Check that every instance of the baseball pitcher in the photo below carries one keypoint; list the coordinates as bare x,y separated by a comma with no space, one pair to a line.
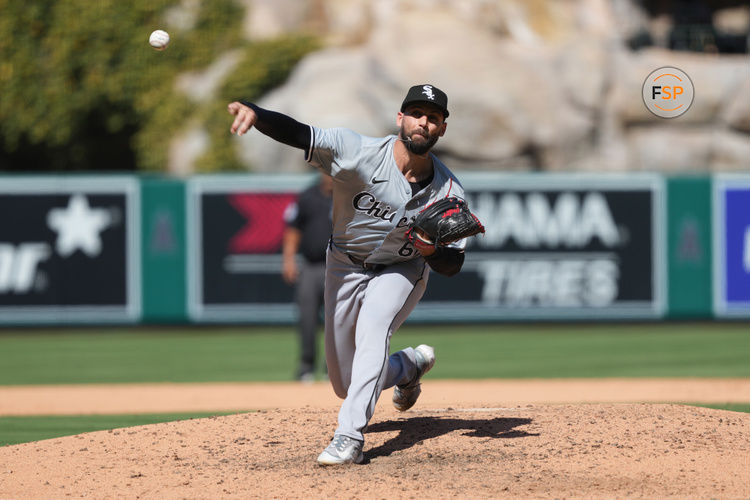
397,213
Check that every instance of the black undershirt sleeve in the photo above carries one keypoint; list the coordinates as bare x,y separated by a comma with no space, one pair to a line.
446,261
282,128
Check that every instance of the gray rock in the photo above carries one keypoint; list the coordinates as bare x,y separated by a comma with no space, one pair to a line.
200,86
547,85
185,148
731,152
669,148
713,78
503,96
266,19
347,101
737,108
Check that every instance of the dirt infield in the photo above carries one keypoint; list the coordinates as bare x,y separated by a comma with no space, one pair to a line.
451,445
165,398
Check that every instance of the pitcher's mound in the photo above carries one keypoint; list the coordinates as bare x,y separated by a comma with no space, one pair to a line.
625,450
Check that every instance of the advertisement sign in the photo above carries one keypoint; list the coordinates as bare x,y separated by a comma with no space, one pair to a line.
557,246
732,240
235,229
69,249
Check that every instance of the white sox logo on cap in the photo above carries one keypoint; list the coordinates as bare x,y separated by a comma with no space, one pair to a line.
427,90
426,93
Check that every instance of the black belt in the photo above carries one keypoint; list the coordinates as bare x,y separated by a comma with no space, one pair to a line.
376,268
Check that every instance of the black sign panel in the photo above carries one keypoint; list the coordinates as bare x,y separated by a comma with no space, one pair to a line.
241,261
235,229
552,252
65,255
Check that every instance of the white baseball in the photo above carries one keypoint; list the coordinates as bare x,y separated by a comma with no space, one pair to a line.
159,39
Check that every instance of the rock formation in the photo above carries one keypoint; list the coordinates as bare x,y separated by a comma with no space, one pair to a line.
536,85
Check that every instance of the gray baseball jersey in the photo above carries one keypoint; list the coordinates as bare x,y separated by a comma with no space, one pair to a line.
372,200
372,207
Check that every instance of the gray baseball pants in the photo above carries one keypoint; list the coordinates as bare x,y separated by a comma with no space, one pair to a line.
309,302
362,310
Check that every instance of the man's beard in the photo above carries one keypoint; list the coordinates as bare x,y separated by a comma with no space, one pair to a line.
421,148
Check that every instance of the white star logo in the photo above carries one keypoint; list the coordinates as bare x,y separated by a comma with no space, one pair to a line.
78,227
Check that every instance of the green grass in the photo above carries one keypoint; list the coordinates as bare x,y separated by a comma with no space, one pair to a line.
14,430
638,350
741,407
70,356
146,355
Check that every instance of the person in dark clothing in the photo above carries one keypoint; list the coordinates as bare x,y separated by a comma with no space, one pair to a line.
308,228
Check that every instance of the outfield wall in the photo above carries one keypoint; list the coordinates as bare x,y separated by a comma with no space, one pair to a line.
147,249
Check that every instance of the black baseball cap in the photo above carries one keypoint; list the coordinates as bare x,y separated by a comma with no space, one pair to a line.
427,93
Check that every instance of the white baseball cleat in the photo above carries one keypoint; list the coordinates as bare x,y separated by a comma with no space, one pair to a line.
404,396
342,450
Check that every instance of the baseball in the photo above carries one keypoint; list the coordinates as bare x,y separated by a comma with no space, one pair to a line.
159,39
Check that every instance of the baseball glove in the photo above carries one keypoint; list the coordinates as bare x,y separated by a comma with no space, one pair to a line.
443,222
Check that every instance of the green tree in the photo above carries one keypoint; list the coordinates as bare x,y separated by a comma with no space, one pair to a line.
80,88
